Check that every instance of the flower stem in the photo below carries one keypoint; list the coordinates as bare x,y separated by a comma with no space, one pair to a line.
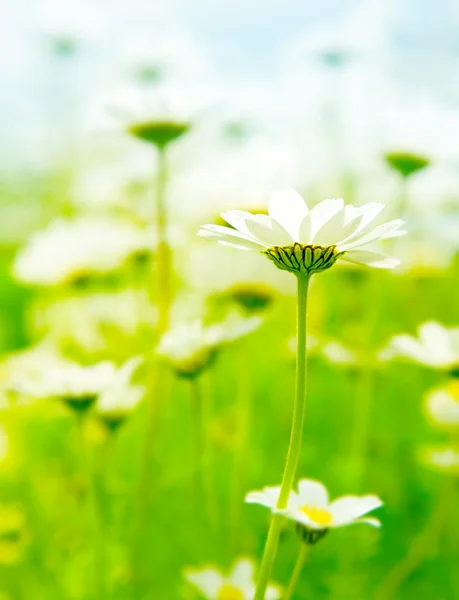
302,555
163,258
294,449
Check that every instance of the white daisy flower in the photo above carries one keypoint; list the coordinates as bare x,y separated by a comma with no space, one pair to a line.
156,115
117,402
442,405
308,241
444,459
68,251
436,346
191,347
79,386
238,585
310,507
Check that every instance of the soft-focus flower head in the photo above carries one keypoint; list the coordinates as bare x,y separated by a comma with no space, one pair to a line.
239,584
405,163
69,251
442,405
311,508
444,459
191,347
251,298
156,115
436,346
303,241
118,401
78,386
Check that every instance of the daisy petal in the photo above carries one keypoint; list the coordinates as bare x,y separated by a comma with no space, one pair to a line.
242,573
323,212
208,581
369,213
371,521
231,236
371,259
274,592
288,208
382,232
312,492
350,508
237,219
266,497
268,231
337,228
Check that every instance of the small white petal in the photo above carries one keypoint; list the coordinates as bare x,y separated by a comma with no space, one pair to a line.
337,228
268,231
237,219
242,574
350,508
267,497
208,581
370,521
230,236
274,592
288,208
382,232
312,492
323,212
305,231
371,259
369,213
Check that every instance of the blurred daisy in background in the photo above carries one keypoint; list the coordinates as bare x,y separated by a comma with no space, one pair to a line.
239,584
71,251
436,346
442,406
445,459
191,347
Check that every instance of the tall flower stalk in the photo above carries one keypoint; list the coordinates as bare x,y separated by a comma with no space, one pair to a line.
303,242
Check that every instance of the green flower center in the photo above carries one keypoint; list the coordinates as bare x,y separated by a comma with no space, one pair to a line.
159,133
301,258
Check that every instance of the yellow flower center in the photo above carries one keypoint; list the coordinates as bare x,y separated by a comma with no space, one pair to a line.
319,516
229,592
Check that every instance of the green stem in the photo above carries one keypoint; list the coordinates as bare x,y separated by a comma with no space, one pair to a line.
302,555
243,416
294,448
163,258
420,548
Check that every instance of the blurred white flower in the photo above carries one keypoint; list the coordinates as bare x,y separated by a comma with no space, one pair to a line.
239,584
79,386
299,240
442,405
436,346
311,508
70,250
444,459
190,347
121,397
92,321
338,353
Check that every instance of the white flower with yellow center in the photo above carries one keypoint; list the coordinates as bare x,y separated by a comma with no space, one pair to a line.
436,346
442,405
72,250
238,585
190,347
300,240
310,507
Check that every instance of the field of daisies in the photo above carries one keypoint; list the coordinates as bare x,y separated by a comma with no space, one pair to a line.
220,380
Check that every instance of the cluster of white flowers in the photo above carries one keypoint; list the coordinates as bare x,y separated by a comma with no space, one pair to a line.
70,250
